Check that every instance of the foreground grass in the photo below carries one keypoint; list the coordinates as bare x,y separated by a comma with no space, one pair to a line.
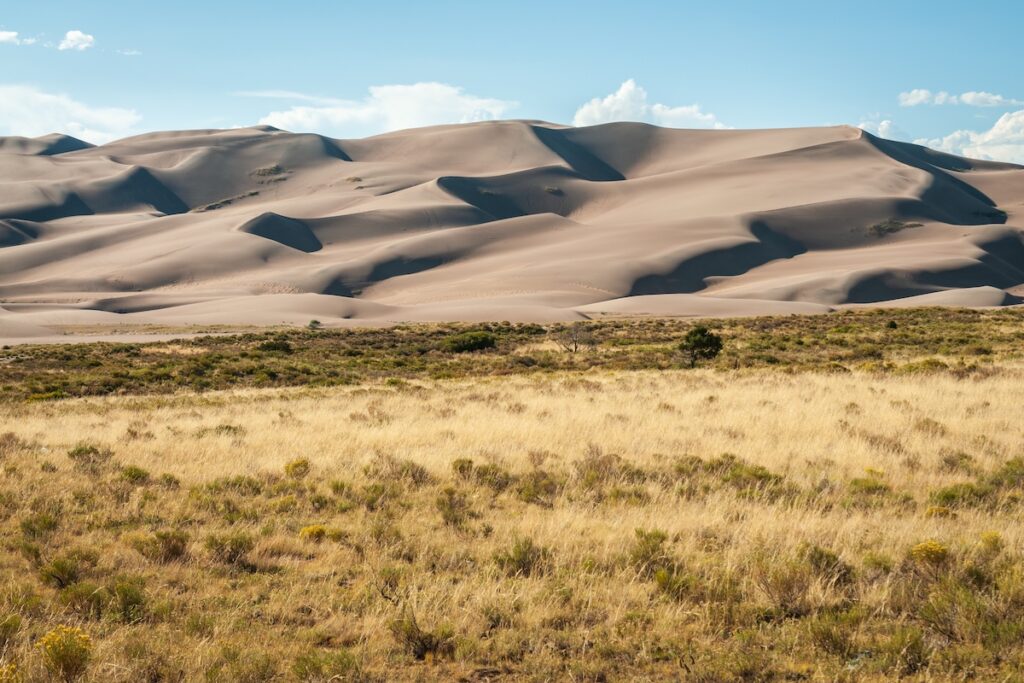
700,525
877,340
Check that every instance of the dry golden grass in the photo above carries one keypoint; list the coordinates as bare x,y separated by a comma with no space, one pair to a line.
411,584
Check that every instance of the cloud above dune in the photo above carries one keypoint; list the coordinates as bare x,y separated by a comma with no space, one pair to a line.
630,103
28,111
884,128
1004,141
971,98
385,108
76,40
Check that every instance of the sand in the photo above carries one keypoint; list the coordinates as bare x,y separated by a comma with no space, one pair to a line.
506,220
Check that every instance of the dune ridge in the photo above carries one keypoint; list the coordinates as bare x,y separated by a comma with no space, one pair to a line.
505,220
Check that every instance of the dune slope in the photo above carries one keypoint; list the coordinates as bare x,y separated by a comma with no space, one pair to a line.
508,220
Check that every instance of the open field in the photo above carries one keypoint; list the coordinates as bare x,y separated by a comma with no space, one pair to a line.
833,498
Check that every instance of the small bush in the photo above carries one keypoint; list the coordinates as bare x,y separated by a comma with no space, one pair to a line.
700,343
421,644
967,494
930,553
135,475
39,524
524,558
297,469
648,553
89,458
314,533
61,572
66,651
10,625
162,546
276,345
229,548
86,599
326,667
128,600
470,341
538,487
454,507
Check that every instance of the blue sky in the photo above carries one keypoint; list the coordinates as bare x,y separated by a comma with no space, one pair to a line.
349,69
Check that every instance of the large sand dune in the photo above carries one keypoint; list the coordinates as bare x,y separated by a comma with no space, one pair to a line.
511,220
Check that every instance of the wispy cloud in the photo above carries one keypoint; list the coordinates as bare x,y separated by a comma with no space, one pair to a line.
971,98
31,112
385,108
76,40
10,38
629,103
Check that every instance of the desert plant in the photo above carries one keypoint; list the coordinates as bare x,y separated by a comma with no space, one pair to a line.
454,507
229,548
297,469
470,341
524,558
575,337
700,343
66,651
89,458
165,545
135,475
316,666
423,645
314,533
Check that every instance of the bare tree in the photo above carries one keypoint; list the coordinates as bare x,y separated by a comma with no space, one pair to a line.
575,337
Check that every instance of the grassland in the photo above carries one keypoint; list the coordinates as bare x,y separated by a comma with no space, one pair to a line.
833,498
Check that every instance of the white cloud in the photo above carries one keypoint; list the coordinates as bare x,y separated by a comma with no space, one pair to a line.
10,37
1004,141
387,107
28,111
76,40
885,128
629,103
129,53
915,97
970,98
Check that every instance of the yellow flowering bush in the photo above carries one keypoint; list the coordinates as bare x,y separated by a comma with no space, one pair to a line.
66,651
930,552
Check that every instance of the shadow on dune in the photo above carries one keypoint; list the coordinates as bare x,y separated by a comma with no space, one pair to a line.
690,275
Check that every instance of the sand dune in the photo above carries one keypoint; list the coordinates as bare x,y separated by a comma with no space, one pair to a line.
509,220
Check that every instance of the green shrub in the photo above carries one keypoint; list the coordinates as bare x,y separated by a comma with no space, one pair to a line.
538,487
128,599
167,545
297,469
420,643
229,548
454,507
135,475
61,572
86,599
524,558
470,341
39,524
966,494
89,458
10,625
326,667
648,553
700,343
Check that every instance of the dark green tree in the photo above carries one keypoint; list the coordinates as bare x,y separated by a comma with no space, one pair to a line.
700,343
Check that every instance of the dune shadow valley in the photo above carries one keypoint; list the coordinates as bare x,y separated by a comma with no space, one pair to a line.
510,401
